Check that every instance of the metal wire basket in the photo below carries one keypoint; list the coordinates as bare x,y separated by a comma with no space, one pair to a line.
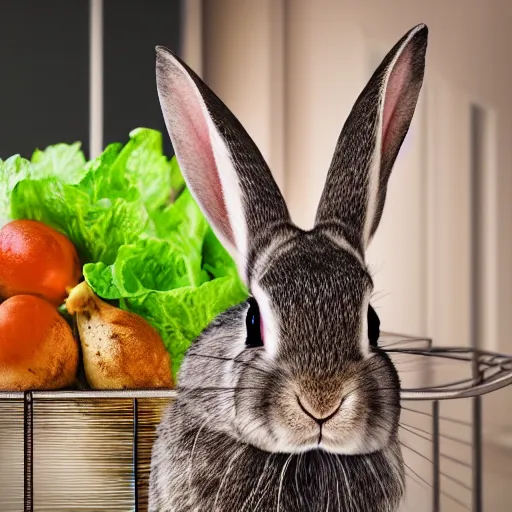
85,451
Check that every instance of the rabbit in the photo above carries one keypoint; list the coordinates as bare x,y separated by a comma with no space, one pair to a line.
285,402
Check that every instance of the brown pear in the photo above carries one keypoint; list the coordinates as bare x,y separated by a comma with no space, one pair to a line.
121,350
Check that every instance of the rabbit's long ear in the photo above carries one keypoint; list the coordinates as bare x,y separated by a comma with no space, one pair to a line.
353,198
221,165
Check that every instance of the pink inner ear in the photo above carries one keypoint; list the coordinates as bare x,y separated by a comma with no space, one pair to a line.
195,154
394,90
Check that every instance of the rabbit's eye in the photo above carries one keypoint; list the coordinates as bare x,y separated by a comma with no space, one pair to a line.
253,325
373,327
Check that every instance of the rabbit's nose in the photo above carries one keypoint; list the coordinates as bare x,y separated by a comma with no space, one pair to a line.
319,417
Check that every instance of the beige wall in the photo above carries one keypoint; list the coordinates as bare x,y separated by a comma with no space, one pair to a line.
243,63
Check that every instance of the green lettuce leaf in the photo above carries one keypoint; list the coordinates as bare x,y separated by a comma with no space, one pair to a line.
149,265
105,180
165,263
144,164
12,171
183,222
216,260
65,161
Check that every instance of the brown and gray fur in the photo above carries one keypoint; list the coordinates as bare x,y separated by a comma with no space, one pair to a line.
309,420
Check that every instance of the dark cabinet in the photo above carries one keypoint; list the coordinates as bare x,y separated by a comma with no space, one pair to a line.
44,70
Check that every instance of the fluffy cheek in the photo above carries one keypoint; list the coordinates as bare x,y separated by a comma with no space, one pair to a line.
382,394
255,402
378,430
345,433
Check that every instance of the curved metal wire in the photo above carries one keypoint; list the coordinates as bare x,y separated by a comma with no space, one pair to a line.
478,372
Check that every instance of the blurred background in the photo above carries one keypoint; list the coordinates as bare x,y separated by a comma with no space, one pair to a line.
291,70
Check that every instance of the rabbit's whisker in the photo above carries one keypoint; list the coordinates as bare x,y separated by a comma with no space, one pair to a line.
331,464
461,462
449,477
189,390
419,359
444,493
416,479
426,353
416,452
456,500
263,494
446,475
403,338
192,453
356,389
444,418
376,475
442,455
410,428
423,482
226,473
260,480
227,359
281,478
217,358
347,484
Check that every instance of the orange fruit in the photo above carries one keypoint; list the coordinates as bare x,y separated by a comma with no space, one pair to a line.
37,347
37,260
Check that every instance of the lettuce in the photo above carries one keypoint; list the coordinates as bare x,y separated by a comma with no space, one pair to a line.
63,161
143,164
66,161
142,238
12,171
157,264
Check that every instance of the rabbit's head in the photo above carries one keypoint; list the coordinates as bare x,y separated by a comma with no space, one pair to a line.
297,367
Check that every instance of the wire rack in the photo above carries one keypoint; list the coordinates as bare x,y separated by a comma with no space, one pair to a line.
85,450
